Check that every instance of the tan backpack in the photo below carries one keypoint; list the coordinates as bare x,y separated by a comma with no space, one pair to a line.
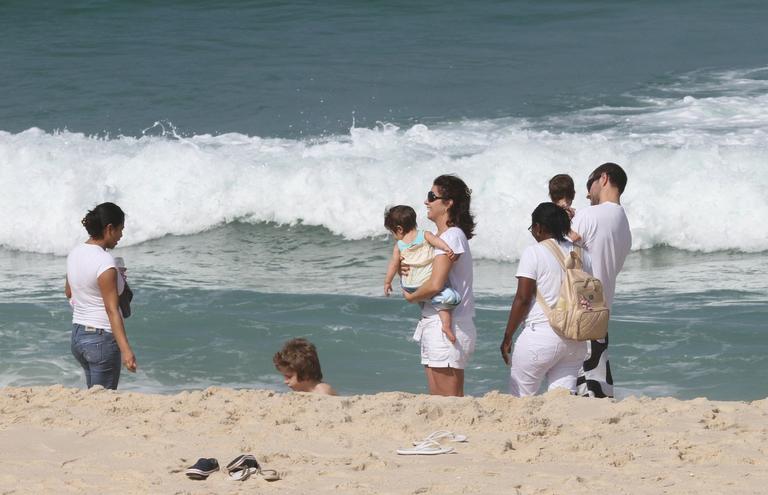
580,312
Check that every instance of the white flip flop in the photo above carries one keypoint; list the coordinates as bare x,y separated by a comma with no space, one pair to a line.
427,447
269,475
242,474
446,435
245,466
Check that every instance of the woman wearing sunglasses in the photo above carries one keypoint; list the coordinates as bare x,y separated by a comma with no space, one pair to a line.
448,206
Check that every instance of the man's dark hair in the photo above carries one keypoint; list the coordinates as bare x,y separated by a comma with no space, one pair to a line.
615,173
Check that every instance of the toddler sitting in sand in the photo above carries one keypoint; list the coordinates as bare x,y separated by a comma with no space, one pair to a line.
562,192
416,248
300,366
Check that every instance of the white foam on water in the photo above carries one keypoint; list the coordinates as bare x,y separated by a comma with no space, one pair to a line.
696,165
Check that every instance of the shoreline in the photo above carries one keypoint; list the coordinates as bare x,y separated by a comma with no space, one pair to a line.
67,440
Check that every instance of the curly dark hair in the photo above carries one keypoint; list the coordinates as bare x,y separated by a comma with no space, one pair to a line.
453,188
97,219
299,356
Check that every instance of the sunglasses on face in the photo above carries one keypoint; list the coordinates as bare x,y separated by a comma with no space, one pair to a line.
591,181
432,197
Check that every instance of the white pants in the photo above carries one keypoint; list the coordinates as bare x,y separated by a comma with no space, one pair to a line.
542,354
437,351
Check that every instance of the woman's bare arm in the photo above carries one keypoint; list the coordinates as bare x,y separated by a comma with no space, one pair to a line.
435,241
441,266
524,297
108,287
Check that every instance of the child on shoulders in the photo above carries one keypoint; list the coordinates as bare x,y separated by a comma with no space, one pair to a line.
416,248
562,192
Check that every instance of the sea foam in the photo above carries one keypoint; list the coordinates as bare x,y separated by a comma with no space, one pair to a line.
696,165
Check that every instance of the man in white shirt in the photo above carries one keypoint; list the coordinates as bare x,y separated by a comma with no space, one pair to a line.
605,234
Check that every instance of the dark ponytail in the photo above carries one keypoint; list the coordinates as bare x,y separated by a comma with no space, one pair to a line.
553,219
97,219
459,214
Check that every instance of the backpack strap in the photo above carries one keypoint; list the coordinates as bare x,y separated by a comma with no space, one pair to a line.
573,260
577,258
543,304
554,248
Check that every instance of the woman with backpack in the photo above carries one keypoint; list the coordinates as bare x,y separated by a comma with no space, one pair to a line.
540,352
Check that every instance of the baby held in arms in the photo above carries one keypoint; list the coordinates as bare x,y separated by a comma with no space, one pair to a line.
300,366
416,248
562,192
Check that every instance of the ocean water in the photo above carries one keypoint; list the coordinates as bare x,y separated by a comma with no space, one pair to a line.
255,147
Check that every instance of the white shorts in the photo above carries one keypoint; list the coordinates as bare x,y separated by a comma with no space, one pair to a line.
437,351
541,354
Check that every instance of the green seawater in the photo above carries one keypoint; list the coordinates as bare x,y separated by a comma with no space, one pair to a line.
212,309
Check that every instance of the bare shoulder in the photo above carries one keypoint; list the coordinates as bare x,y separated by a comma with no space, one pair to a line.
324,388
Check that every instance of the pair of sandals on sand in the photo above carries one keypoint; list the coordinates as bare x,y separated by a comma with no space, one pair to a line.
241,468
431,444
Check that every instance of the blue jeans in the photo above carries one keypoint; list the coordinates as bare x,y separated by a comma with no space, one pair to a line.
97,352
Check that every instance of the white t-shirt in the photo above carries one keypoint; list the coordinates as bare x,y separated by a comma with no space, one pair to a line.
84,265
461,275
539,264
605,234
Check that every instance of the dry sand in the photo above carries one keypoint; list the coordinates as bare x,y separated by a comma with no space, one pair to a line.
60,440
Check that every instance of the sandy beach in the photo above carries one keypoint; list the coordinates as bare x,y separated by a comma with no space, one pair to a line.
64,440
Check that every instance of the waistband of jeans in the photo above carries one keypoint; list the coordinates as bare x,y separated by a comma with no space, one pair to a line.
91,329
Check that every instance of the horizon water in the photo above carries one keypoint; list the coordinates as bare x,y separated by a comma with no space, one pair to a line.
255,151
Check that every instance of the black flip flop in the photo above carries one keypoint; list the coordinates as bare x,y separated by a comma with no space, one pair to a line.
244,460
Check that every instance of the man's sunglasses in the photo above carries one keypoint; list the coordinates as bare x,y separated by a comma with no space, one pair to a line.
591,180
432,197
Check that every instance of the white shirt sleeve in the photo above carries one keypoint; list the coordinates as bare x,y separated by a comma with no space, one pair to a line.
529,264
453,238
583,225
105,263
